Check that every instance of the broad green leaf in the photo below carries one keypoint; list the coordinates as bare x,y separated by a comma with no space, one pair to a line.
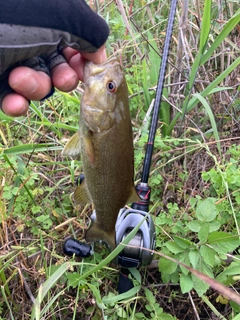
122,314
236,308
223,242
208,255
165,316
206,269
194,257
167,266
71,277
183,243
174,247
36,209
186,283
226,276
203,233
214,226
206,210
149,295
184,258
199,286
194,225
140,315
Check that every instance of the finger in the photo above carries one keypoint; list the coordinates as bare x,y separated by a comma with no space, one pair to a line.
97,57
77,63
33,85
64,77
15,105
77,60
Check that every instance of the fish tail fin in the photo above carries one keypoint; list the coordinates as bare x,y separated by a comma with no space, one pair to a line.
95,233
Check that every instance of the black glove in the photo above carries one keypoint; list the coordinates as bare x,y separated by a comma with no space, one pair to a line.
33,33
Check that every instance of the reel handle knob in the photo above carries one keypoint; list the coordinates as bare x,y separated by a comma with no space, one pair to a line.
80,249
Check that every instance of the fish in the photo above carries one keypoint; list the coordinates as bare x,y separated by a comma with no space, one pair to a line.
105,142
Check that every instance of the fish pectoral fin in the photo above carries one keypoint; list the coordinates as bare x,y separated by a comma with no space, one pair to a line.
133,197
88,146
73,147
95,233
81,194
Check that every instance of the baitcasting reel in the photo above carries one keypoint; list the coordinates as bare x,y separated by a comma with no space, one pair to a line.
139,249
129,257
134,254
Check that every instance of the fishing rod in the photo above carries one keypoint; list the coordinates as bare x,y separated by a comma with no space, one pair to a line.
135,255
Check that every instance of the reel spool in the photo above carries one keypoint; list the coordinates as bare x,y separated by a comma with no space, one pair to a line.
134,255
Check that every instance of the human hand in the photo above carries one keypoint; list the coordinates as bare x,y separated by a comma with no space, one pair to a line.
25,83
29,84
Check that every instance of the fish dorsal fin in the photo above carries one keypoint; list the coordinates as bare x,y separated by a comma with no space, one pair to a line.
73,147
133,197
81,194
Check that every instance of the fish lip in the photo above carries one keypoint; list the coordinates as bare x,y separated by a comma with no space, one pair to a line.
91,69
111,60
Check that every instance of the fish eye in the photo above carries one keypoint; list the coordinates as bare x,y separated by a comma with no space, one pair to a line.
111,86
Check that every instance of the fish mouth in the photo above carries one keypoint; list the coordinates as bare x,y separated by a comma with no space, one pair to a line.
112,61
92,69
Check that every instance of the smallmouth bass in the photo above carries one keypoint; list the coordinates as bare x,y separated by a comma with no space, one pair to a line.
105,142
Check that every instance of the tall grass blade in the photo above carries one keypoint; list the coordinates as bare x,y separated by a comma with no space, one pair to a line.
32,147
205,29
123,296
229,26
211,118
206,24
7,303
147,99
210,89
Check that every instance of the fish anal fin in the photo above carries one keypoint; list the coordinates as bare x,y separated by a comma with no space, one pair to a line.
81,194
73,147
95,233
133,197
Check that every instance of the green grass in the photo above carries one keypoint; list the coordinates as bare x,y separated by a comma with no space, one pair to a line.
195,179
